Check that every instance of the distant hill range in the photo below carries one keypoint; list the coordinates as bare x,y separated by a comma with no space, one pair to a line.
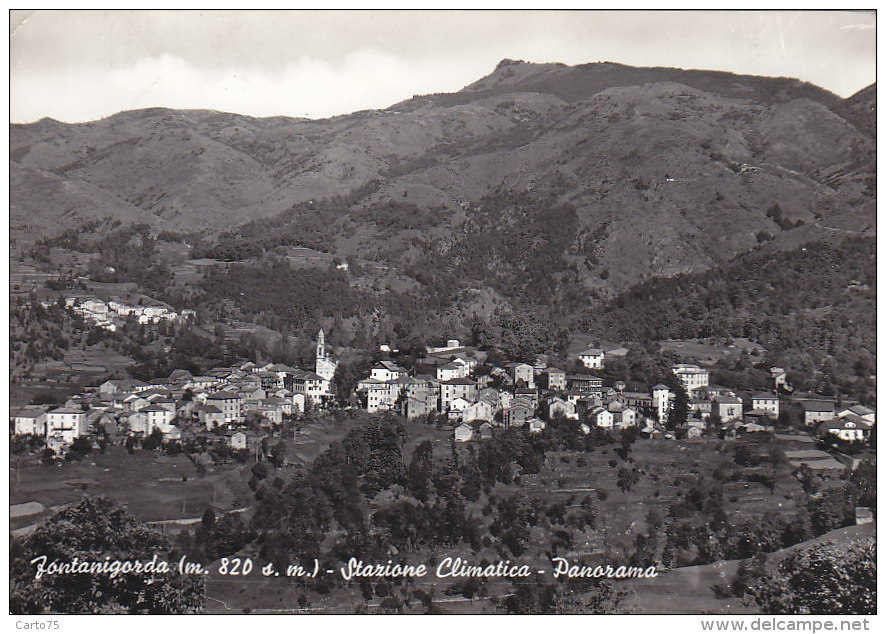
616,173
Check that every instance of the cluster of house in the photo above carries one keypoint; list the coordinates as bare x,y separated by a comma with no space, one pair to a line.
224,399
520,394
110,314
447,383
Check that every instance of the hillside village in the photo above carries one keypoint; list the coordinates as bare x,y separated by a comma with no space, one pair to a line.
109,315
243,407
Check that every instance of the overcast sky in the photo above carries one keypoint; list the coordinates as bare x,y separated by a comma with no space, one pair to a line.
84,65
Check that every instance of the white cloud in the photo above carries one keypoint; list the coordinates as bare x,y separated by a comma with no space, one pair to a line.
77,66
310,87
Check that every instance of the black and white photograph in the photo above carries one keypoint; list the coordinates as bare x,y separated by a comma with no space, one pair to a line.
422,312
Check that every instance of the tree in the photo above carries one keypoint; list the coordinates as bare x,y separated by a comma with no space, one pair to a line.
626,479
208,519
679,411
865,479
80,448
153,441
90,531
47,456
829,578
832,510
420,470
278,454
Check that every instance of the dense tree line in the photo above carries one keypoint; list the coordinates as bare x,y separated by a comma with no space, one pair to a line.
813,308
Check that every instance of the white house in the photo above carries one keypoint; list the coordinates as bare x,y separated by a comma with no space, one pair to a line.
381,396
602,417
765,402
452,370
481,410
211,416
691,376
661,400
522,372
238,440
592,358
158,417
229,403
848,428
386,371
456,408
29,421
817,411
865,413
558,407
463,433
66,423
728,408
627,417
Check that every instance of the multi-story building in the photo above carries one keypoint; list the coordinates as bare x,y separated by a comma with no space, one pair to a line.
584,383
387,371
815,411
592,358
691,376
229,403
66,424
457,388
30,420
728,408
556,379
765,402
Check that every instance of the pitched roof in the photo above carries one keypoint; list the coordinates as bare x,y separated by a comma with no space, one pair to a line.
817,406
389,365
596,352
223,395
154,408
840,423
28,412
280,367
66,410
460,381
584,377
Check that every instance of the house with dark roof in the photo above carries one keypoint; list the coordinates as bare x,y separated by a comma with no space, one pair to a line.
229,403
585,383
555,379
387,371
849,428
866,413
817,411
592,357
457,388
766,402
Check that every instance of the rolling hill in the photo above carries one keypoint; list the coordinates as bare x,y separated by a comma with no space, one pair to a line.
668,170
543,188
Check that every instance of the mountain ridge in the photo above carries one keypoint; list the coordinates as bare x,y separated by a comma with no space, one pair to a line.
665,176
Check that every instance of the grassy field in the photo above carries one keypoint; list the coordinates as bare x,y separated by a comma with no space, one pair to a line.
156,487
152,485
707,352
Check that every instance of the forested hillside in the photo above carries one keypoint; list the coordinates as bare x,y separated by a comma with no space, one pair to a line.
813,307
